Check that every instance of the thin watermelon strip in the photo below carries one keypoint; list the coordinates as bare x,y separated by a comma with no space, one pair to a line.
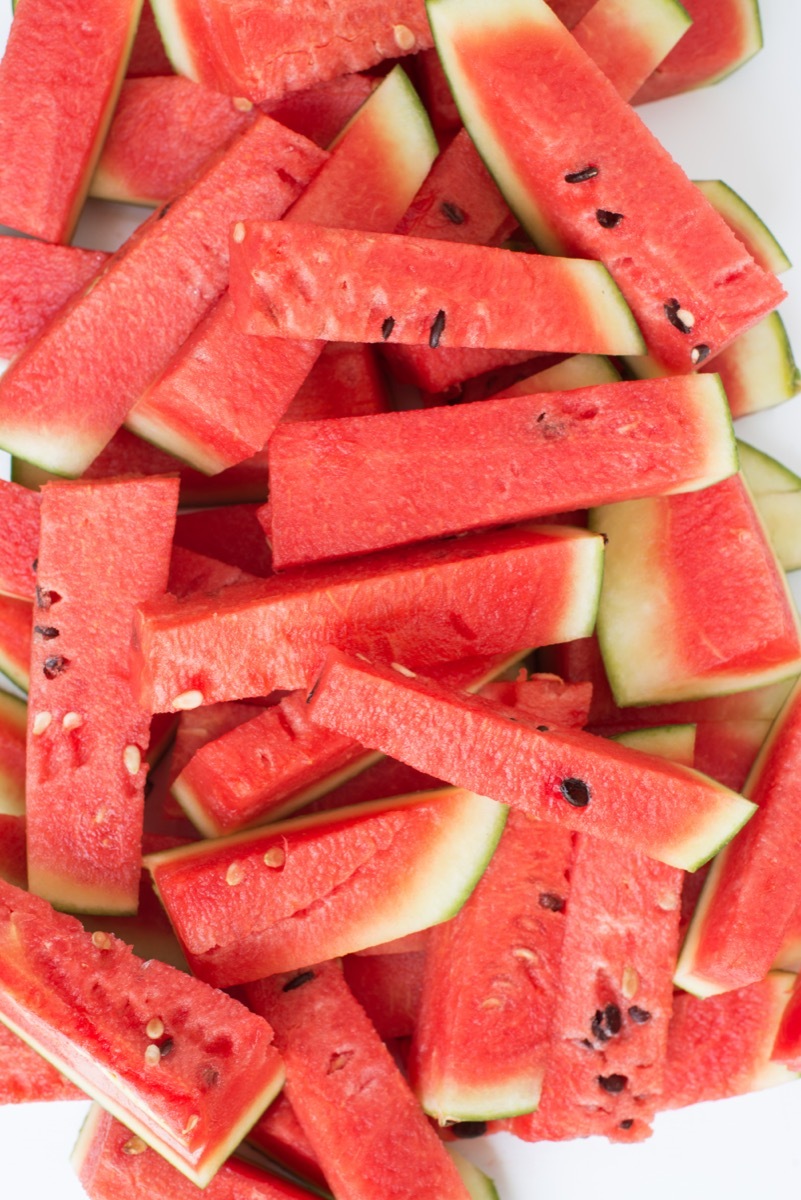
13,723
104,547
46,165
104,1017
367,483
19,539
721,1046
570,157
789,956
486,594
671,622
369,287
724,35
746,224
64,397
628,39
389,987
336,1065
482,1032
201,725
758,369
604,1073
752,890
554,774
26,1077
787,1046
15,640
219,399
38,279
111,1163
313,888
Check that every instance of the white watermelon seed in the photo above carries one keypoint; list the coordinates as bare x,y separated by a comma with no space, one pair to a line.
71,720
152,1055
132,759
275,857
242,104
40,722
101,940
404,38
235,874
134,1145
191,1124
239,232
154,1029
191,699
403,670
630,983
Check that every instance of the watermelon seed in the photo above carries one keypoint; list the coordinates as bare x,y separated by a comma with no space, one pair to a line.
437,329
541,417
627,1124
387,325
582,176
338,1061
576,792
132,759
275,857
679,317
71,720
525,953
152,1055
166,1047
46,631
242,104
192,1123
607,219
101,940
239,232
452,212
41,722
298,981
235,874
542,728
315,686
44,597
191,699
54,665
164,210
399,667
154,1028
468,1129
699,353
606,1023
552,902
35,565
211,1076
639,1015
612,1083
404,37
134,1145
629,983
491,1002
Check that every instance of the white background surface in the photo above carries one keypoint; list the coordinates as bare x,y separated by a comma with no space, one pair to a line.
745,131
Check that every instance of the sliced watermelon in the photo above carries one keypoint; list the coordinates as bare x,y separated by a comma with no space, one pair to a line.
571,158
673,622
153,1046
312,888
384,287
57,95
355,1107
148,56
553,774
470,596
758,369
346,381
26,1077
37,279
13,865
279,1134
389,987
724,35
359,484
15,640
787,1047
629,41
777,494
231,534
744,222
13,723
19,539
141,303
193,574
104,546
727,750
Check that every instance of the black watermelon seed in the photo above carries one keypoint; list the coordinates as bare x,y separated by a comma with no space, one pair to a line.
597,1027
576,792
551,901
210,1076
298,981
452,212
315,686
627,1124
54,665
607,219
542,728
46,631
587,1044
541,417
35,565
581,176
45,597
437,329
468,1129
387,326
614,1021
699,353
166,1047
163,211
672,313
639,1015
612,1083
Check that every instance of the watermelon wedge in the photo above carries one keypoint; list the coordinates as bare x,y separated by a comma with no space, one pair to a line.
279,1134
554,774
13,867
26,1077
15,640
13,723
153,1046
571,157
758,369
383,287
37,279
746,224
777,494
389,988
19,539
628,41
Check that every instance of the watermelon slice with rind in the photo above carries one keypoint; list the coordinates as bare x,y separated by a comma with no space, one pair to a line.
629,40
559,775
746,224
312,888
777,495
15,640
571,158
19,539
186,1068
758,369
38,279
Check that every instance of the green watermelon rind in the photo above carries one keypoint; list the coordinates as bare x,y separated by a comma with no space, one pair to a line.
176,45
763,474
752,45
479,1186
746,224
673,742
457,1104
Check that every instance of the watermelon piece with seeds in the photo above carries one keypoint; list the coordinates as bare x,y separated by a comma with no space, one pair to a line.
37,280
19,539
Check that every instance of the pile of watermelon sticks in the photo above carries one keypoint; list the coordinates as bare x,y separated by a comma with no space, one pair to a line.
384,796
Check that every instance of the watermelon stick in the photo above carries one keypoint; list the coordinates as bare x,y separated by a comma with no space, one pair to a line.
19,539
219,399
554,774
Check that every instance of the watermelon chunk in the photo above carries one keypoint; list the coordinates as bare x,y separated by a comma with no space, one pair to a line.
13,866
188,1069
379,287
571,157
554,774
629,41
37,279
758,369
746,224
279,1134
26,1077
724,35
389,987
312,888
104,546
356,1109
19,539
366,483
13,723
15,640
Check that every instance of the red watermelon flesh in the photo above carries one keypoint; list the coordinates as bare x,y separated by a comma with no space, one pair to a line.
346,381
604,1073
482,1033
110,1163
723,36
320,113
721,1046
789,956
752,891
355,1107
26,1077
787,1047
54,118
104,546
142,302
231,534
628,41
359,484
419,606
388,987
15,640
279,1134
13,721
691,285
148,56
192,574
758,369
377,287
19,539
93,1009
13,864
202,725
37,279
219,399
554,774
